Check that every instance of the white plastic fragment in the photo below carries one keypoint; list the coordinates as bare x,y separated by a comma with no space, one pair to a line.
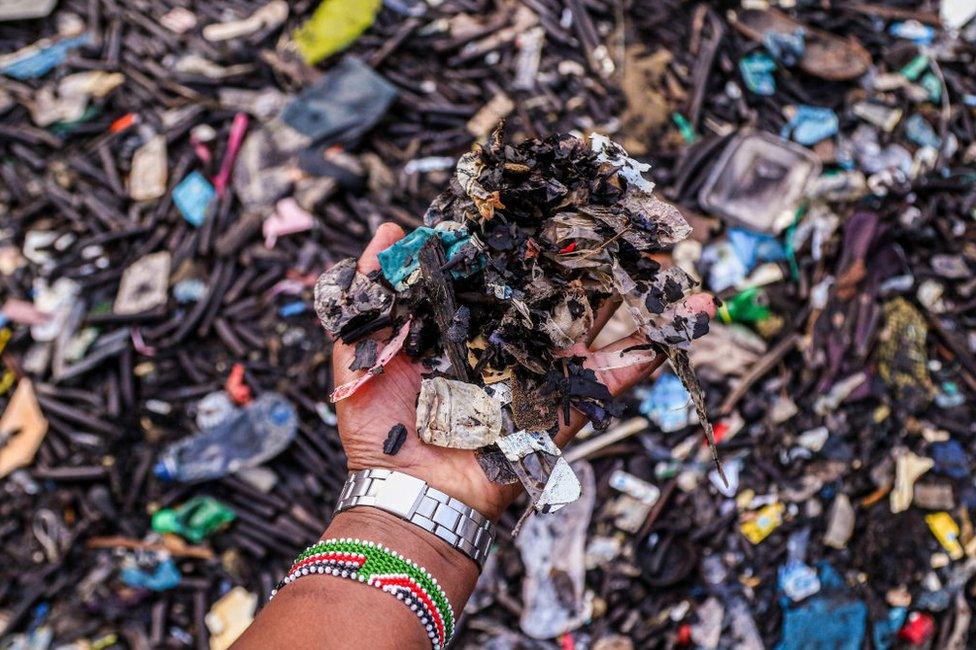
144,284
269,16
548,478
230,616
840,525
147,178
908,468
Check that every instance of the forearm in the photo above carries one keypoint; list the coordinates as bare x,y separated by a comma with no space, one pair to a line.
323,611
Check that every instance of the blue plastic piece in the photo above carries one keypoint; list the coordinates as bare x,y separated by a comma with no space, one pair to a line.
950,459
886,630
811,124
919,131
913,31
37,64
189,290
754,247
797,580
757,72
666,404
192,197
831,619
787,48
293,309
400,261
165,576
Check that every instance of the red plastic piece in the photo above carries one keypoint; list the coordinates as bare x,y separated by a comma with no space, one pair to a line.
236,388
684,634
918,629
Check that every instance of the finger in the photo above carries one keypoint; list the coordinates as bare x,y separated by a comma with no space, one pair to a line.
386,235
600,319
620,380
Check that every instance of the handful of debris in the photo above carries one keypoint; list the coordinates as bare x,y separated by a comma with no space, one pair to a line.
497,292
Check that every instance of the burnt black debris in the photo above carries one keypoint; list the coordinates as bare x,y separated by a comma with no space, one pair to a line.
163,220
395,439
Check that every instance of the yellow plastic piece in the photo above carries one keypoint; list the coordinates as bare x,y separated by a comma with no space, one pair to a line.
946,530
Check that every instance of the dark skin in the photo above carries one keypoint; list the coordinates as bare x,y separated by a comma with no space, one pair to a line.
328,612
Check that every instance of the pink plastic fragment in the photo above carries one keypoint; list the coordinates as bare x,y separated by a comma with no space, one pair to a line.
24,313
386,355
237,130
288,218
140,344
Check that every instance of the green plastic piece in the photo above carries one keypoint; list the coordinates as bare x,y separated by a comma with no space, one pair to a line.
334,26
744,308
685,128
195,520
914,69
932,86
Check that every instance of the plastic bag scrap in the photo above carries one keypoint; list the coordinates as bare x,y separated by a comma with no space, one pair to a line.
830,619
151,571
505,277
756,179
552,550
903,356
333,27
40,58
144,284
343,105
22,429
345,299
249,437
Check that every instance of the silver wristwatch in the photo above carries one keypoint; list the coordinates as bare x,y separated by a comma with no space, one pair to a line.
410,498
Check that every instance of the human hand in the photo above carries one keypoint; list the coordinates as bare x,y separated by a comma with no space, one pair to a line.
366,417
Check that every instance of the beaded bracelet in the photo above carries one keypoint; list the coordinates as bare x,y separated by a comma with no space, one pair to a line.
384,569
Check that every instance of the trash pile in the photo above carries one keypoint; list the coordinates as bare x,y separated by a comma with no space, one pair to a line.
501,282
176,176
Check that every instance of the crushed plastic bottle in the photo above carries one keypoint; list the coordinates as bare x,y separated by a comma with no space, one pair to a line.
246,438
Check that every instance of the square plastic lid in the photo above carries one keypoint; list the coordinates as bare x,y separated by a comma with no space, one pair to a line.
756,178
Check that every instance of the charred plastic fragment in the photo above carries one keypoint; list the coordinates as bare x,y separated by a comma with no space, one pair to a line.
503,279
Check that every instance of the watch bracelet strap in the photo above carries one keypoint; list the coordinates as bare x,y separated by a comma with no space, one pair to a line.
411,499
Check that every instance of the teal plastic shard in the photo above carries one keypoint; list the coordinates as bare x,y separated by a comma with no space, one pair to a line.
401,261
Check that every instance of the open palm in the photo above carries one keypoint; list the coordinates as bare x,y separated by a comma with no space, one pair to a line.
366,417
